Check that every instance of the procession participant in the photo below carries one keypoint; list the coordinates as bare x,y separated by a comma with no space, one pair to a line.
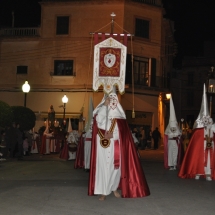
199,159
88,136
45,146
114,160
172,141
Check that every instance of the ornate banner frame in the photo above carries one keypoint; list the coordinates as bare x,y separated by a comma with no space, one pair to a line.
109,65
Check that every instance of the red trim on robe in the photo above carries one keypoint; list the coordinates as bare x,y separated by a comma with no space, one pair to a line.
133,183
116,154
64,154
43,145
193,162
79,161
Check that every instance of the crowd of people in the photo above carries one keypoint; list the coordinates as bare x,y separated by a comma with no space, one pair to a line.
16,143
107,148
146,138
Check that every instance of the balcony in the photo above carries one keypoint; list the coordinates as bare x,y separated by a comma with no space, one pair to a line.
150,2
20,32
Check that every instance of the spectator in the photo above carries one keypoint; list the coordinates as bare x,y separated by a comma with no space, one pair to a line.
156,137
143,141
19,134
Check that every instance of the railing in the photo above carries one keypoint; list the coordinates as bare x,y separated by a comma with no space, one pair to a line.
152,2
19,32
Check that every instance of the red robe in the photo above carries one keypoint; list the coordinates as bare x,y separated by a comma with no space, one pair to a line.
43,144
79,161
193,162
133,183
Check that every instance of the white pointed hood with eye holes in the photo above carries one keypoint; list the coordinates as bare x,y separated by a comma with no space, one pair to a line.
203,119
115,109
172,128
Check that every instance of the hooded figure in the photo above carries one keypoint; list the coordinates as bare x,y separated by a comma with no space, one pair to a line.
46,140
172,141
72,142
88,136
84,145
200,154
114,160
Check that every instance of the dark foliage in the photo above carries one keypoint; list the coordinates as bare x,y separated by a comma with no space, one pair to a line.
24,116
5,114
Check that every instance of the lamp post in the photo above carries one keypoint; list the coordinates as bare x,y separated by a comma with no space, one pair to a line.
211,87
25,88
64,100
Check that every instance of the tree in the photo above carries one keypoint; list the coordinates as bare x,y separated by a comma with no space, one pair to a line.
6,115
24,116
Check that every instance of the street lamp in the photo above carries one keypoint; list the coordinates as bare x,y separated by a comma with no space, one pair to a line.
64,100
168,95
211,87
25,88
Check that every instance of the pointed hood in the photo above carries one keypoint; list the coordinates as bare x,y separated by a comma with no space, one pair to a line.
69,126
115,109
90,114
100,104
172,128
203,118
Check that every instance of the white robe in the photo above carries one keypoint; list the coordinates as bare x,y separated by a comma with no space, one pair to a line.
48,135
72,139
172,151
34,147
107,178
87,149
206,132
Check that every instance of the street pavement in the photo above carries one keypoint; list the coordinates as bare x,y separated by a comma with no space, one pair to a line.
48,185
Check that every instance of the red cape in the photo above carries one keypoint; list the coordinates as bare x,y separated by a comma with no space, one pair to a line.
79,162
193,162
64,154
133,183
43,145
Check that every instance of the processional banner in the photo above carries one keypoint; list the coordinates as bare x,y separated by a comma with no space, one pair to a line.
109,65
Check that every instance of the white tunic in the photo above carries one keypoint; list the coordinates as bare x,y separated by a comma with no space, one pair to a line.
172,151
48,136
107,178
208,131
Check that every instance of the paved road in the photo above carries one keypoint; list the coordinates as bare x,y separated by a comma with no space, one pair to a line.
47,185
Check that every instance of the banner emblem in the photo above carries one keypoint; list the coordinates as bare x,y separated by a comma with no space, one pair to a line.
109,60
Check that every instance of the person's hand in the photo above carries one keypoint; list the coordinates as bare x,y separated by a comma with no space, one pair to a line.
107,101
108,135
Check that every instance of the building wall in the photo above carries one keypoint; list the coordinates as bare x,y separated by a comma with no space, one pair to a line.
39,53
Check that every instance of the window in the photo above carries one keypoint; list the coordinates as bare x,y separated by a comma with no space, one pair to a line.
142,28
22,70
63,67
62,25
141,71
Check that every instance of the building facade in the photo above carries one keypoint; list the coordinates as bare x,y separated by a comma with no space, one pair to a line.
57,58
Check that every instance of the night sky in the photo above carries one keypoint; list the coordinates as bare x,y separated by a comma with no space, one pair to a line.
194,21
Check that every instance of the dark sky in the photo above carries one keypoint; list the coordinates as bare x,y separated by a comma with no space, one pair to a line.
194,24
194,21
